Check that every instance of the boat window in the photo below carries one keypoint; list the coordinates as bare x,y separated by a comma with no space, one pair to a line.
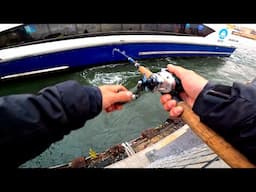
35,32
174,28
38,31
21,35
32,33
188,29
14,37
197,29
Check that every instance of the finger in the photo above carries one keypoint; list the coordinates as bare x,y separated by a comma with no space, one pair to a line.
109,109
174,118
118,107
123,96
177,70
118,88
176,111
170,104
114,107
164,98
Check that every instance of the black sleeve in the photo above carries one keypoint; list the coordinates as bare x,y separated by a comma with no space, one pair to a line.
231,112
31,123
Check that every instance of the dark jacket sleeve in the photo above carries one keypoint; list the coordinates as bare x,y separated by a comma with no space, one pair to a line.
231,112
30,123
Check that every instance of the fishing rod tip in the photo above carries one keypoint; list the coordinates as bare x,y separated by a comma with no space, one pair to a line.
115,49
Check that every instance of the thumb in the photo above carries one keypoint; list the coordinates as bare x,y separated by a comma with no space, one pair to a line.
123,96
177,70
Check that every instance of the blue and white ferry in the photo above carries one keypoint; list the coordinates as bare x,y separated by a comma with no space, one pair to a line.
29,49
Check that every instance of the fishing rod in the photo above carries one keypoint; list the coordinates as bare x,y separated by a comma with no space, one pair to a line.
162,81
167,83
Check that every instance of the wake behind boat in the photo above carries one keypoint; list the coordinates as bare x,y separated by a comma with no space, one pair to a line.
42,48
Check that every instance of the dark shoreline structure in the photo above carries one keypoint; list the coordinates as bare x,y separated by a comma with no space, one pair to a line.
121,151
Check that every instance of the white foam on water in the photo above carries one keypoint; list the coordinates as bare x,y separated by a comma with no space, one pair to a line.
108,78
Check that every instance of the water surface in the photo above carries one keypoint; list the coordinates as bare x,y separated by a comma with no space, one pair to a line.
109,129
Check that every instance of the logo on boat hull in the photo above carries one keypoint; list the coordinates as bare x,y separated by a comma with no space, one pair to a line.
223,33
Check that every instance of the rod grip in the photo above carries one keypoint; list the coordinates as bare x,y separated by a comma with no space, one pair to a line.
145,71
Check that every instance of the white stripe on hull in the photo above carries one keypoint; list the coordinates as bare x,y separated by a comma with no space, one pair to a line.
35,72
180,52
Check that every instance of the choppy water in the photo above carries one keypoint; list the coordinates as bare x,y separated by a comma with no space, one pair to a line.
108,129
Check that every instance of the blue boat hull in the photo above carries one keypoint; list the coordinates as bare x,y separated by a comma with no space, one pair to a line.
101,55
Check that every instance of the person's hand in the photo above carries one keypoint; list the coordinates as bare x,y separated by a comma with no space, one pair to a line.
113,96
192,84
